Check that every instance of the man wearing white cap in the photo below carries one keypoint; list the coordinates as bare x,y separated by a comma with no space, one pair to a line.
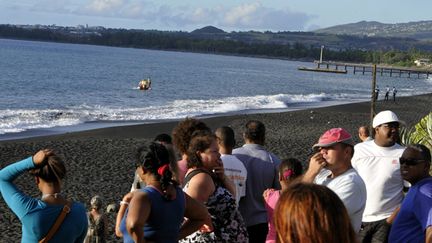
331,167
377,162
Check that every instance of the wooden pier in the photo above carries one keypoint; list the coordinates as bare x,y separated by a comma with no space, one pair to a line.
367,68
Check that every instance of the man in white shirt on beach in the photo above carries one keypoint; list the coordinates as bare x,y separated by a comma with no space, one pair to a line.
377,162
234,168
331,167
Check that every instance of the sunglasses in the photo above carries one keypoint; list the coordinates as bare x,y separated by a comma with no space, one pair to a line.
410,162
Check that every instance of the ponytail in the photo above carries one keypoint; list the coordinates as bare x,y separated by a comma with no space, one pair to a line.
155,159
53,170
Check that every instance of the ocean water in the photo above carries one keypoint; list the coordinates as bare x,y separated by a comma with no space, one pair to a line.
49,88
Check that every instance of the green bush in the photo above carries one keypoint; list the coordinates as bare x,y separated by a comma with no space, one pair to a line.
421,133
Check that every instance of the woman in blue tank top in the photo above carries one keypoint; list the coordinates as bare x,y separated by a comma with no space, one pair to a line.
156,212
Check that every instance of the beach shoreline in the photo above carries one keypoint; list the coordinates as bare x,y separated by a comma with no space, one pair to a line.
100,161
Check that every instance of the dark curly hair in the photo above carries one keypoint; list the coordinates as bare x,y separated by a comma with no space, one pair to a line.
182,133
155,158
54,170
199,143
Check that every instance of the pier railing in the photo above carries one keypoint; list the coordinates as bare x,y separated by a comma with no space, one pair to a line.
363,69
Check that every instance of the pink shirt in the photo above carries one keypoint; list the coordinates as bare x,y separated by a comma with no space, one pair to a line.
271,197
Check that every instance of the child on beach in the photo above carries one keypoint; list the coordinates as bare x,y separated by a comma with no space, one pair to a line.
97,222
289,169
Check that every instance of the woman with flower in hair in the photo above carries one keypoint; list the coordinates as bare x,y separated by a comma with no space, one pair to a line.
38,215
289,169
155,213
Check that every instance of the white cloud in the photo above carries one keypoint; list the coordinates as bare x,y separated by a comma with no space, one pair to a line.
155,14
243,14
241,17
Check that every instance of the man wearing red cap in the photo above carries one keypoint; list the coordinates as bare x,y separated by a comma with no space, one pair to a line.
377,162
331,167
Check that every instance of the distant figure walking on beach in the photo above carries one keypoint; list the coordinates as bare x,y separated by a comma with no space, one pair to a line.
394,90
387,93
289,170
376,92
156,212
414,220
364,133
234,168
262,173
302,206
377,162
38,215
331,167
97,222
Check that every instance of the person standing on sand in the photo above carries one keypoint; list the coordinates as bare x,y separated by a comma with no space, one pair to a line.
182,134
394,94
386,97
166,141
38,215
156,212
377,162
331,167
234,168
414,220
262,173
207,183
289,170
302,206
97,222
364,133
376,92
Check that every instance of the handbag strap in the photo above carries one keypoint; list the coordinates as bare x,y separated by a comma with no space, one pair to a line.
66,209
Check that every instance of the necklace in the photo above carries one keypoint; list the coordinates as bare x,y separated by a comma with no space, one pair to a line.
55,195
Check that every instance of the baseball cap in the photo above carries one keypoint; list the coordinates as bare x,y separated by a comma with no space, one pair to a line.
334,136
385,117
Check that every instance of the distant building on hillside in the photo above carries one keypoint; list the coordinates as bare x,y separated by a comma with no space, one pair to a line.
422,62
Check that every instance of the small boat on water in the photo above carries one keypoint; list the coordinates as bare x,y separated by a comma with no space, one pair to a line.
145,84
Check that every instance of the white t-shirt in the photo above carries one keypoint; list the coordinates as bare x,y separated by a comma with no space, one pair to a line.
351,189
380,170
236,171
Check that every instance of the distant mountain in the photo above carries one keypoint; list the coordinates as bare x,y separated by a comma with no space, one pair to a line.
421,30
208,30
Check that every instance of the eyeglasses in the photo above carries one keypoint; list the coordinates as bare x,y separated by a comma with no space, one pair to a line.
410,162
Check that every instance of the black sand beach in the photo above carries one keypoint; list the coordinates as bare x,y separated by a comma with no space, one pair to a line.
101,161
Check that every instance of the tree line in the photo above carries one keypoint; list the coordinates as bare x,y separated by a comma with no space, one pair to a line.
184,41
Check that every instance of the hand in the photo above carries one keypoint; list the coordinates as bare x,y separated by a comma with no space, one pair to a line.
40,157
219,171
207,227
316,163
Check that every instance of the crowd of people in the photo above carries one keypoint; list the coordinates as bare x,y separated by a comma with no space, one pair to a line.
217,193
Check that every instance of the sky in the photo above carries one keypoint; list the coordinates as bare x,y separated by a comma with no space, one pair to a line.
229,15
